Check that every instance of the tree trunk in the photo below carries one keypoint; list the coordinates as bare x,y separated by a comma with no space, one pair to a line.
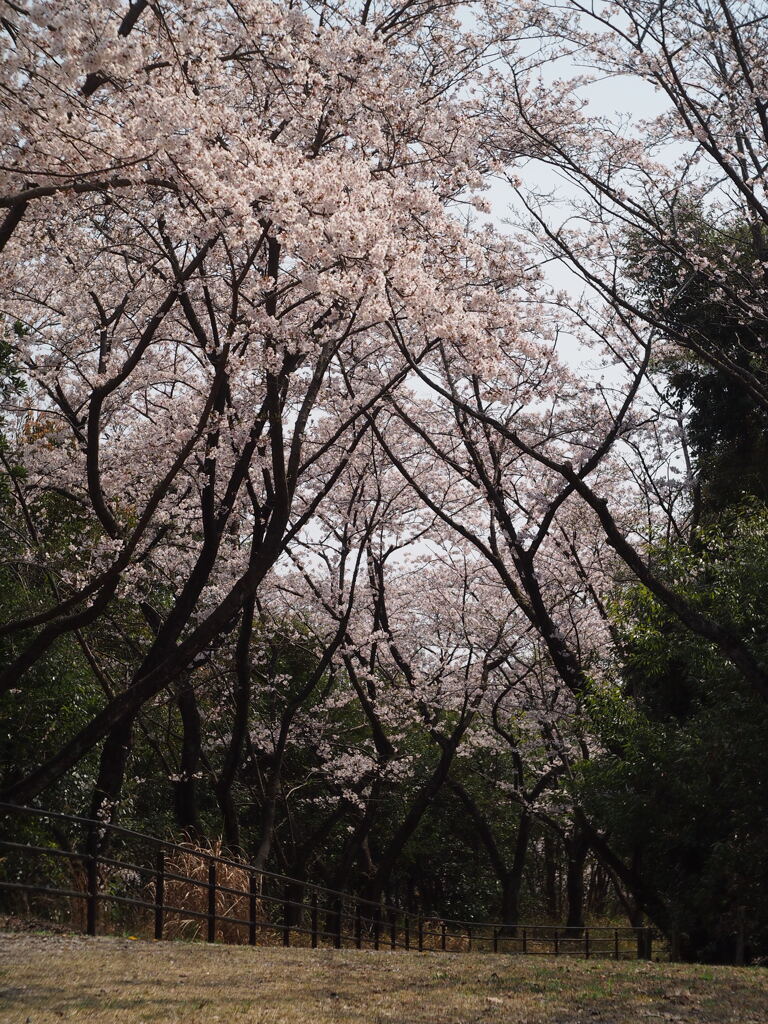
107,790
185,788
416,812
512,881
576,849
232,758
272,792
551,901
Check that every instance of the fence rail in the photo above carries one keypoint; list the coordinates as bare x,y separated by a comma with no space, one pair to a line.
94,877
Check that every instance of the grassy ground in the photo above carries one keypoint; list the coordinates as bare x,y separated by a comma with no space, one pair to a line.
47,978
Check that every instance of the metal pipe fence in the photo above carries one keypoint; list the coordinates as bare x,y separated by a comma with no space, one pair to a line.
102,878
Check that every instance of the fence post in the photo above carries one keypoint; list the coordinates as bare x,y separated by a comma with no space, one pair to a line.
421,934
557,942
337,936
586,943
393,928
212,901
442,936
252,910
159,892
407,931
376,925
286,914
92,876
525,940
495,940
469,936
358,927
649,943
314,919
615,943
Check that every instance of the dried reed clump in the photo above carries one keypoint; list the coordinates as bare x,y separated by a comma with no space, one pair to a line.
78,883
191,894
454,942
74,910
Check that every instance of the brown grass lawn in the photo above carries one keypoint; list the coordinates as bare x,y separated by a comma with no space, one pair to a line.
50,978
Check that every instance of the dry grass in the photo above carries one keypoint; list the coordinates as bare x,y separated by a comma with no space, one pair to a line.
191,860
49,978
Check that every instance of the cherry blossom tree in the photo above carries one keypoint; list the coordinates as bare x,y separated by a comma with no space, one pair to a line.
632,188
211,217
300,427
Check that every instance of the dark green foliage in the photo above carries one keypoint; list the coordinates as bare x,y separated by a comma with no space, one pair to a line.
714,311
683,795
729,436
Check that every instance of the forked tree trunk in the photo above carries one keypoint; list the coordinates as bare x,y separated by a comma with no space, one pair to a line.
416,812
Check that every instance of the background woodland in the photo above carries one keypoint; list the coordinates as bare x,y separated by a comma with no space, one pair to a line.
334,520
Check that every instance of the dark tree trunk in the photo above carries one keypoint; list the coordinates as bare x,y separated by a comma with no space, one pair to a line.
598,888
576,850
510,905
628,878
418,808
512,881
185,788
303,853
551,901
271,794
107,791
234,752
